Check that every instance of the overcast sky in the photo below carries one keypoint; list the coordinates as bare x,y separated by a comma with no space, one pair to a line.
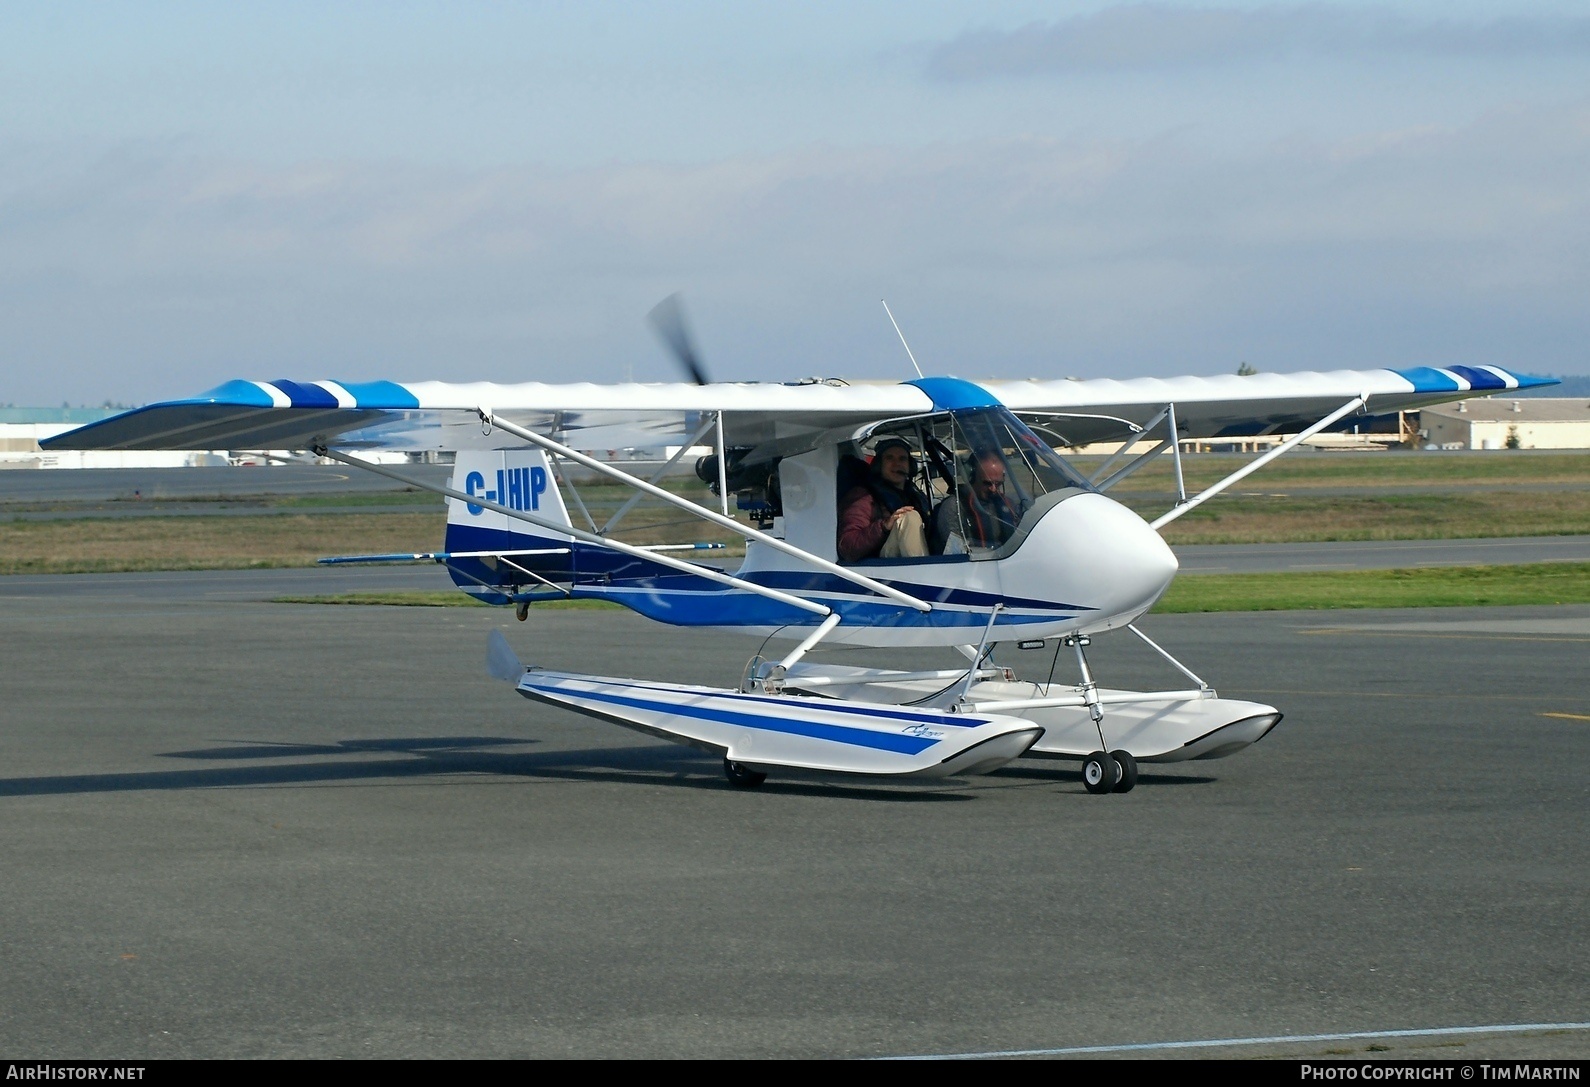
196,192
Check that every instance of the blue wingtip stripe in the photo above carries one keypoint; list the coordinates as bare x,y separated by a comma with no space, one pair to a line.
1427,379
239,393
1479,380
369,395
380,394
1530,381
306,396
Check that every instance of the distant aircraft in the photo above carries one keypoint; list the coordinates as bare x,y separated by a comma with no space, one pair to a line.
1069,563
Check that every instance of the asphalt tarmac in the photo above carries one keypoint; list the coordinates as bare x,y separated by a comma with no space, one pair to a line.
237,829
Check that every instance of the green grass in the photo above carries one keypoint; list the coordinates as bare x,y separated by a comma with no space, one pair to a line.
1300,517
1485,494
119,545
1427,587
1369,469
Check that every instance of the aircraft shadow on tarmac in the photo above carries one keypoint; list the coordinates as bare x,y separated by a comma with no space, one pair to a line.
1066,773
352,761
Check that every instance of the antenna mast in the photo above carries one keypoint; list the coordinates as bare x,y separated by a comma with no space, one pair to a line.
903,344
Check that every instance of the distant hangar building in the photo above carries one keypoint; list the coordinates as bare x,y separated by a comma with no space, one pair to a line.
1502,423
21,430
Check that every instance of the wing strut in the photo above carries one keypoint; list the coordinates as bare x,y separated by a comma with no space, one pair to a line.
1259,462
723,466
1136,463
700,511
612,522
1126,446
1175,453
580,534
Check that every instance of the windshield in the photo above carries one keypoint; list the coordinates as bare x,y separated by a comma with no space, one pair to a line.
982,470
1033,467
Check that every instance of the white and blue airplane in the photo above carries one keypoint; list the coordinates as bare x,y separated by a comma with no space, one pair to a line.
1073,564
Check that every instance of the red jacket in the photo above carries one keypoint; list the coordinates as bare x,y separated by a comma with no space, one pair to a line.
863,522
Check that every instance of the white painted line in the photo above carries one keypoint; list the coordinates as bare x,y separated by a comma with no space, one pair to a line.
1215,1043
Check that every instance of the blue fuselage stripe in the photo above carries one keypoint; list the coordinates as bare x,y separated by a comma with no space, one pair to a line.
687,600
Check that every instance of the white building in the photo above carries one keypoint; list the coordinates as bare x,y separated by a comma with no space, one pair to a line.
1502,423
21,430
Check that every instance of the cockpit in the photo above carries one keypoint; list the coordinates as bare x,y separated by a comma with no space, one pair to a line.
980,472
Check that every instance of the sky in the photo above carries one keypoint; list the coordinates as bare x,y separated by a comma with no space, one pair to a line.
191,193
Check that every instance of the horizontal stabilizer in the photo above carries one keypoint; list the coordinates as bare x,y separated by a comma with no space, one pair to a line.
762,731
402,556
501,661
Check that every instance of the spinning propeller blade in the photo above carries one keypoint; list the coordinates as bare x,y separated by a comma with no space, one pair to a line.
668,318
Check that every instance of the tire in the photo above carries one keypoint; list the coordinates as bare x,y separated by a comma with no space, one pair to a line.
742,776
1127,777
1099,773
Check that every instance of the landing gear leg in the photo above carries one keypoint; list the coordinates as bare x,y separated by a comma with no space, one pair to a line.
742,776
1104,771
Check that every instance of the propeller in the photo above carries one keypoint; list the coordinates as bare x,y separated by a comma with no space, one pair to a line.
668,318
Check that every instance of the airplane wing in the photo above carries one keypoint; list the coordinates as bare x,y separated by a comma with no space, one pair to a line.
1230,405
432,415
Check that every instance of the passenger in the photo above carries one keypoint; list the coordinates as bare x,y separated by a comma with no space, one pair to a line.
883,517
988,519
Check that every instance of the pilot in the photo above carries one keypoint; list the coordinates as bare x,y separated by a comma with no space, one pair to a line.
883,518
988,519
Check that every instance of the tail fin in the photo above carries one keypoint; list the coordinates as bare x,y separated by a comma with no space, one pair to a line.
520,479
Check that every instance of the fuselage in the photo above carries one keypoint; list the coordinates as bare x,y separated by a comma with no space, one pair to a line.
1085,564
1076,562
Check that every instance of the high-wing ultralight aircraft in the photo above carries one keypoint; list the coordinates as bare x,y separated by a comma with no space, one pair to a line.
1067,563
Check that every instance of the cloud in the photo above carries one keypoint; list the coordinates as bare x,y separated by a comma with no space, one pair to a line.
1153,36
150,272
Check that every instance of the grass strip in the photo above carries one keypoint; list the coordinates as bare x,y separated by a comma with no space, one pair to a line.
1423,587
1304,518
1492,468
120,545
